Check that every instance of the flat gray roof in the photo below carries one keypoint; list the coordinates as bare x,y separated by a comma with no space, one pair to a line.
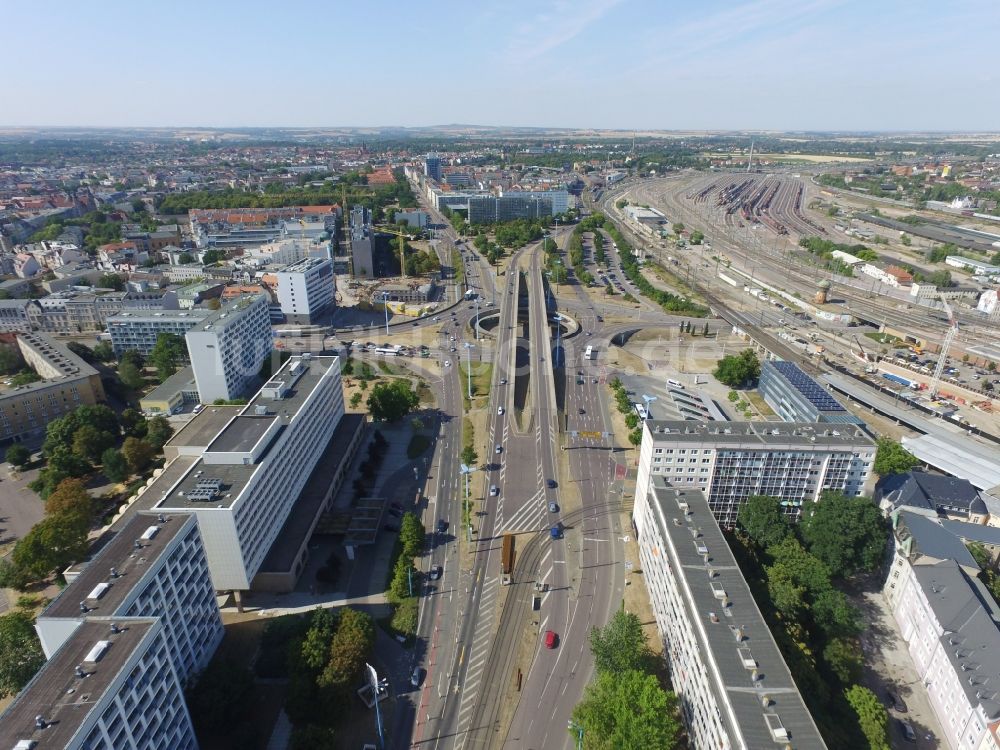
766,434
203,427
121,554
717,641
180,381
48,695
242,434
229,480
958,455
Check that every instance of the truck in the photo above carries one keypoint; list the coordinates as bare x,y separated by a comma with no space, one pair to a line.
901,380
507,557
728,279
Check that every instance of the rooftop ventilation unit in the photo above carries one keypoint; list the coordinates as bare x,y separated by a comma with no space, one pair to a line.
778,731
98,591
150,532
97,652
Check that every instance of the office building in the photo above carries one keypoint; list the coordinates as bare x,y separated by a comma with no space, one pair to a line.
238,227
284,252
972,265
796,397
432,167
228,347
733,686
948,620
137,330
306,290
489,209
124,637
243,473
730,461
67,382
559,199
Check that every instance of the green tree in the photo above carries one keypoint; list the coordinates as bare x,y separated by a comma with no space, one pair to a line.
221,696
764,520
10,360
166,353
905,239
131,375
355,399
314,737
70,497
872,716
89,442
133,423
635,436
212,256
402,575
736,370
17,455
53,543
20,652
137,453
111,281
844,657
315,649
103,351
411,535
349,648
892,458
697,237
620,646
392,401
628,710
847,533
185,258
114,465
158,432
468,456
678,227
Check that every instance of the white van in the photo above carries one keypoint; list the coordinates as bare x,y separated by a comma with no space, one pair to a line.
671,383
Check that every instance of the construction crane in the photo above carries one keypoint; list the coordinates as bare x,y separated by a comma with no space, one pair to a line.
864,354
945,346
750,160
403,237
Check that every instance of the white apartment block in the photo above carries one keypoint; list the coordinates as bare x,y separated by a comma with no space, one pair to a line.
155,566
125,636
110,686
306,289
733,686
227,347
559,198
244,484
949,622
731,461
139,329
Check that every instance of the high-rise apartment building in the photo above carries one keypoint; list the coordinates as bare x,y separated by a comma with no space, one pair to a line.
134,624
432,167
730,461
306,290
362,242
228,347
733,686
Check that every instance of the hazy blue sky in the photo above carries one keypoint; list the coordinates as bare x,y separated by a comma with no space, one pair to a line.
677,64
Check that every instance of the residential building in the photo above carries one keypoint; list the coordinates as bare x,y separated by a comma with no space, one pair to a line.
933,495
131,629
139,329
489,209
228,346
730,461
796,397
558,199
283,252
14,315
109,686
67,383
243,478
733,686
432,167
948,621
25,265
306,290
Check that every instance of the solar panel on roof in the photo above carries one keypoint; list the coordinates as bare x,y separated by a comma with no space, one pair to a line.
808,387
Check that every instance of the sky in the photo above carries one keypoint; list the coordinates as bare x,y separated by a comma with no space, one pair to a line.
847,65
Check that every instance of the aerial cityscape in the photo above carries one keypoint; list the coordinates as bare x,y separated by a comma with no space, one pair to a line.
587,396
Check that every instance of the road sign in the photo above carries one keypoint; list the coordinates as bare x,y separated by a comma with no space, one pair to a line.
594,435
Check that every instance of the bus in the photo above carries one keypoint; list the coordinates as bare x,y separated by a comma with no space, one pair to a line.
388,351
642,411
589,353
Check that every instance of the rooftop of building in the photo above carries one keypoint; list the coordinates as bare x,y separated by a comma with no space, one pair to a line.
182,380
968,615
59,695
201,429
220,484
936,492
931,538
764,434
230,309
302,265
130,553
729,627
57,355
810,390
958,455
141,316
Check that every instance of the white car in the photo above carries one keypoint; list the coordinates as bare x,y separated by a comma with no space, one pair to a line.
500,410
447,363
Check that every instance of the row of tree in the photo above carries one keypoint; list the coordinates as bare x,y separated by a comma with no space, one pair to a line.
626,706
797,572
404,582
624,404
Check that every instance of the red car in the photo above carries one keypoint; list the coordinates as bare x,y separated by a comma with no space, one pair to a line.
551,639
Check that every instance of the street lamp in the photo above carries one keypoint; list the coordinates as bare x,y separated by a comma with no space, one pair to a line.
578,730
373,681
469,347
